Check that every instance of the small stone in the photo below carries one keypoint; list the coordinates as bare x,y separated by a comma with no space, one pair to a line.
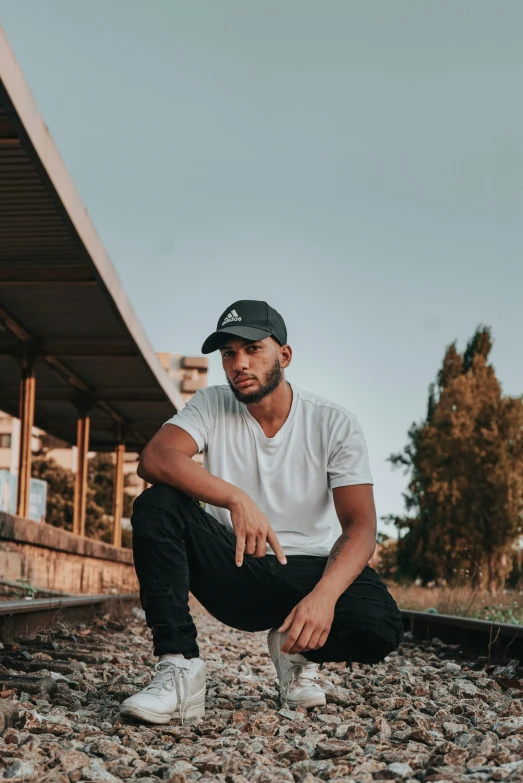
509,726
356,732
281,746
463,689
297,754
310,766
452,730
269,774
329,749
207,762
21,769
466,740
330,719
341,696
72,761
455,757
509,670
401,735
267,725
291,715
400,771
97,773
421,735
512,766
452,667
370,767
105,748
47,724
476,762
180,768
10,715
384,730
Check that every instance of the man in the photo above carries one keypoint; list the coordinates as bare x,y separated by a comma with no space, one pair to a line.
284,470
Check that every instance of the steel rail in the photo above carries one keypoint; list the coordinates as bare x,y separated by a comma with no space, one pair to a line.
24,605
491,639
26,616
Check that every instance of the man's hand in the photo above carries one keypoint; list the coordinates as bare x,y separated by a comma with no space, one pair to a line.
253,530
310,622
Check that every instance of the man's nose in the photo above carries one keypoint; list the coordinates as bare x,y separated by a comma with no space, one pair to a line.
241,362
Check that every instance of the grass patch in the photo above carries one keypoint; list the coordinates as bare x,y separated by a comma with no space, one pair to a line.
462,601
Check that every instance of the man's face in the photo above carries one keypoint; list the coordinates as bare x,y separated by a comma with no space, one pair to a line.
253,369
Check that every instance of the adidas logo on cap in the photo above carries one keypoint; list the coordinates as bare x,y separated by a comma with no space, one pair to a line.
232,316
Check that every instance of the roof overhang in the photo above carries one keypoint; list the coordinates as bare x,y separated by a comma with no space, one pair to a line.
60,298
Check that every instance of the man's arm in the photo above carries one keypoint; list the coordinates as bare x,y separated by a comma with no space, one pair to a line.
310,621
354,548
167,459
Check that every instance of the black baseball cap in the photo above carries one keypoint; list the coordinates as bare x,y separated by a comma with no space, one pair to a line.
250,319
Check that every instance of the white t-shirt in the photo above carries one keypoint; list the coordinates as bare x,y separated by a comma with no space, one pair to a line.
290,476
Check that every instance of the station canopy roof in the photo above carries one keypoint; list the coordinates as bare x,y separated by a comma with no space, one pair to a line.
60,297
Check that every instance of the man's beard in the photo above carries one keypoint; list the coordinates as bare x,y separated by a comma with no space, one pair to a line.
272,381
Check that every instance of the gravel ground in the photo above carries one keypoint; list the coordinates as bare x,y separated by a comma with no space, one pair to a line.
419,716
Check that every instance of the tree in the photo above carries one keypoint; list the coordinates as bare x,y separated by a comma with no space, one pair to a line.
385,559
465,460
60,491
100,477
60,498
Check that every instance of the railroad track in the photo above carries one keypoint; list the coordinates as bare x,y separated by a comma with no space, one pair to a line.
425,712
490,641
25,627
20,618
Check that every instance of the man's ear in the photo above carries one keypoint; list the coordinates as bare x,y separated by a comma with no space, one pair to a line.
285,356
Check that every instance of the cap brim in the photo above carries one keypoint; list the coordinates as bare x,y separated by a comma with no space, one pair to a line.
214,340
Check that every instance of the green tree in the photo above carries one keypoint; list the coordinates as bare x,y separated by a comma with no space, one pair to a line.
465,494
386,556
100,477
60,498
60,491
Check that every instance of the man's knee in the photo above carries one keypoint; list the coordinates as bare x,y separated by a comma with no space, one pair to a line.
379,630
156,510
161,495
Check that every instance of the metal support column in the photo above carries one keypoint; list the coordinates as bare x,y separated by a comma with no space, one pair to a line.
83,403
80,489
118,494
27,409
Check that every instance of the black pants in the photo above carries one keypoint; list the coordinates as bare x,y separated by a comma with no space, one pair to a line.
178,547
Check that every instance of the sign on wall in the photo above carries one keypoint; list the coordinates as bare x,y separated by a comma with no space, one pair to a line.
37,496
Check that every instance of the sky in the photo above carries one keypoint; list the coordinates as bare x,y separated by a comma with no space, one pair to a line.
358,165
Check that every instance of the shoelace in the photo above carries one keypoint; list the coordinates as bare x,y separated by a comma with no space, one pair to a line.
301,674
168,676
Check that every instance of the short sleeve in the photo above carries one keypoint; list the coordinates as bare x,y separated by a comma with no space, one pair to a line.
195,419
348,456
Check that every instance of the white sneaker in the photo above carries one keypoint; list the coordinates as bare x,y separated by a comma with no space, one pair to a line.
298,677
176,691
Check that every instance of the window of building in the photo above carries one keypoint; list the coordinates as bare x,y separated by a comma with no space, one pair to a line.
5,440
